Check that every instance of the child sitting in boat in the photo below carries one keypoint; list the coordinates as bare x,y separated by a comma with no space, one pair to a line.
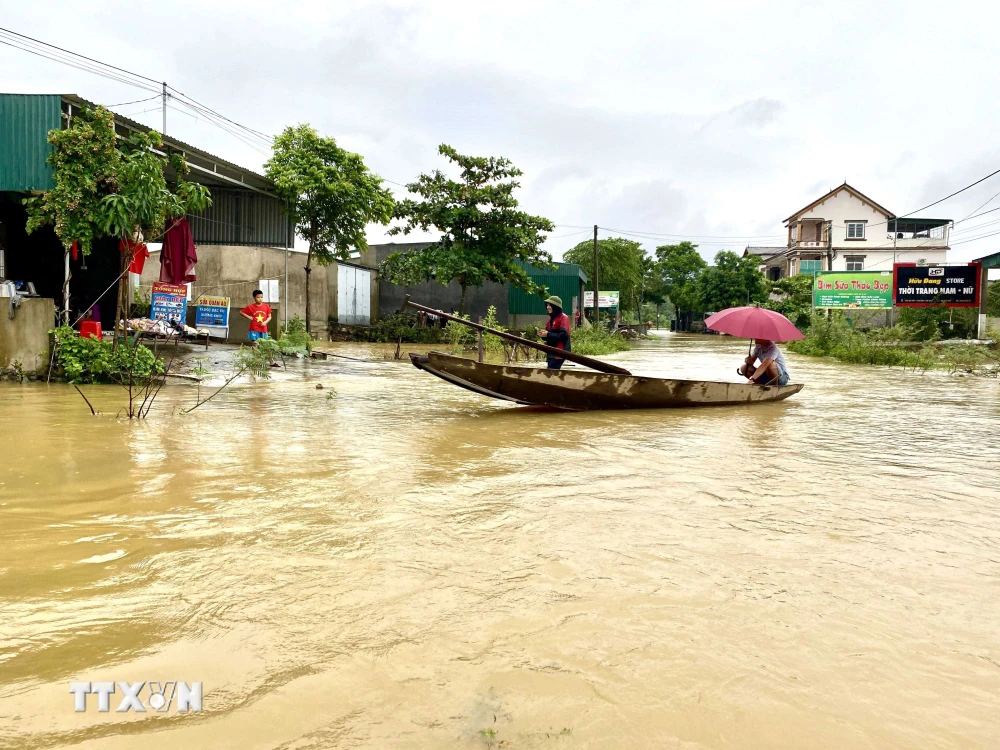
556,332
772,369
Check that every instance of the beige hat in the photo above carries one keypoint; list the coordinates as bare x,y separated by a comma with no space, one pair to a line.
553,300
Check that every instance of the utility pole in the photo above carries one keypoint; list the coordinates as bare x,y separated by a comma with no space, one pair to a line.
597,309
163,105
892,308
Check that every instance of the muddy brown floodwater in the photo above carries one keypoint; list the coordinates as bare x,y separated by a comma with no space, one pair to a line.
409,565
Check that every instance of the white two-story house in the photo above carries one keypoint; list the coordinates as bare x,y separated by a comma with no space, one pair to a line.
846,230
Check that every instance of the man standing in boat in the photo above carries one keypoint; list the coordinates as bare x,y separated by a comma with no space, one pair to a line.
556,332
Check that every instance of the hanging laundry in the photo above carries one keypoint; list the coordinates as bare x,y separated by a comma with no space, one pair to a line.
178,256
137,252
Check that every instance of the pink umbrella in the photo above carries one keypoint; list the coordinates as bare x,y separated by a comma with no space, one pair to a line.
754,323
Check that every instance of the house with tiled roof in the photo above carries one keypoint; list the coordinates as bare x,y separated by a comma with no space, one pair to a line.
845,230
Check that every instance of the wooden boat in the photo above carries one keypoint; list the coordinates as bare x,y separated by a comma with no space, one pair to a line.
579,390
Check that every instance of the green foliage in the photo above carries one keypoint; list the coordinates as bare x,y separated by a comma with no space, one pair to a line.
794,299
620,266
993,299
680,266
328,191
483,233
493,344
105,186
398,327
141,304
257,359
458,335
733,281
596,340
835,337
939,322
293,338
87,360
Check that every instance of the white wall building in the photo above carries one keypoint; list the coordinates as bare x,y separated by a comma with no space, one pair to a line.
845,230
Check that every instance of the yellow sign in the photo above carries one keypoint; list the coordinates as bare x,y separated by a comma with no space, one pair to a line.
206,301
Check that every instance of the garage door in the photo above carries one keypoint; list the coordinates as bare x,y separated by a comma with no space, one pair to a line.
353,296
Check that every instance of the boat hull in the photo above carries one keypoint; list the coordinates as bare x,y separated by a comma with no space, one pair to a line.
583,390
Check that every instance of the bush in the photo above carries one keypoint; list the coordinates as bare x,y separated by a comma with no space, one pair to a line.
87,360
398,326
458,335
294,338
596,340
834,337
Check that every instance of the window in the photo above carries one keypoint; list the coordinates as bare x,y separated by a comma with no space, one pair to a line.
855,230
809,266
855,262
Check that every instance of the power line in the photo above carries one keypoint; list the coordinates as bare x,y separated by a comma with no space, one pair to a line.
209,111
739,237
112,72
137,101
985,204
973,239
77,54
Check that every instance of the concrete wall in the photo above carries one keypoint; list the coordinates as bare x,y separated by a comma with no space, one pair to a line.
235,271
25,339
388,297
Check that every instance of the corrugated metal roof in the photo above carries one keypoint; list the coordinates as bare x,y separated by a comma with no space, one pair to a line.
210,169
25,122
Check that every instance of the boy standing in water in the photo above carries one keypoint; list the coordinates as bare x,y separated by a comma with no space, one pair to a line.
259,315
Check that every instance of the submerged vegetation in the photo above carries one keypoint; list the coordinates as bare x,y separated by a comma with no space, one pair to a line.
914,344
78,359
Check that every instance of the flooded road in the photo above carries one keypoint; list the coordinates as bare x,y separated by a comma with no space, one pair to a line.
407,564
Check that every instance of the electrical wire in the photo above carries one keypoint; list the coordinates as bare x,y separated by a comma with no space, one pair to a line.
121,75
77,54
137,101
739,237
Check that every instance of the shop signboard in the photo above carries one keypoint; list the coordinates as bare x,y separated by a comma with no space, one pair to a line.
169,302
212,313
952,286
852,289
604,299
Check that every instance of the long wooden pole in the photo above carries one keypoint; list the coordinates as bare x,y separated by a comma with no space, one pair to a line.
594,364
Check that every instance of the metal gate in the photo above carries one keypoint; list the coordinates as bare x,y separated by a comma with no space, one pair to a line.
354,287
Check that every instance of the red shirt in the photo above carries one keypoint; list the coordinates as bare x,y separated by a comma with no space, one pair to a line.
258,314
561,323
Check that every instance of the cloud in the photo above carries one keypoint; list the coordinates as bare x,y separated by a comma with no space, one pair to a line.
616,112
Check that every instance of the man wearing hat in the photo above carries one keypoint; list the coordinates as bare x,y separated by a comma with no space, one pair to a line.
556,332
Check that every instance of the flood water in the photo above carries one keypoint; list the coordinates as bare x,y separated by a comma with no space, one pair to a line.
407,564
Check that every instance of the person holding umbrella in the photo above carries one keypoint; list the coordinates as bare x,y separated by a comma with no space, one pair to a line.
765,327
772,369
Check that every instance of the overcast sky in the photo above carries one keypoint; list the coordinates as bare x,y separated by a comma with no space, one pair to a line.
710,119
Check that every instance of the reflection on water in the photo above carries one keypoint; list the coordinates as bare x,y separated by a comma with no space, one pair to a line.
411,565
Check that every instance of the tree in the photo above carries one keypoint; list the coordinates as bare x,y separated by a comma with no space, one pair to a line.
619,264
733,281
793,298
329,193
680,266
483,234
993,299
107,186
